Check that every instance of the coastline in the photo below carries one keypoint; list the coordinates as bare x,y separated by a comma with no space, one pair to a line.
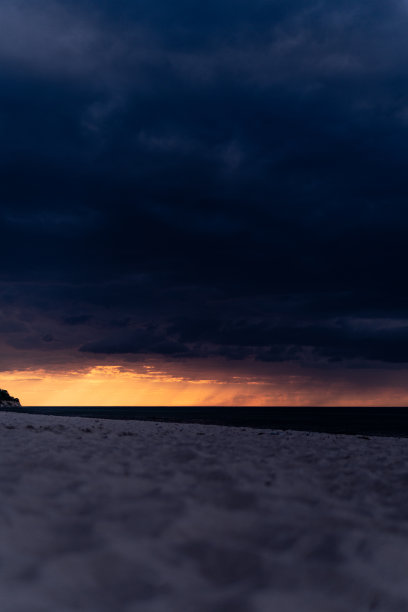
130,516
353,420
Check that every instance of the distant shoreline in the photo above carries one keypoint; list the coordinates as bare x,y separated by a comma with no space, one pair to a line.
388,421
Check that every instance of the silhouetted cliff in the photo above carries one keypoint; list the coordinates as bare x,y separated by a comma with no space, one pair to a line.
7,400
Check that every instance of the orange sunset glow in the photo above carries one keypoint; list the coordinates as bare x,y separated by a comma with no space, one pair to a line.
150,386
112,385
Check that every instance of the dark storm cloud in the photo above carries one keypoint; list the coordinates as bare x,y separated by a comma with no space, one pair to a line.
338,342
168,164
139,341
77,320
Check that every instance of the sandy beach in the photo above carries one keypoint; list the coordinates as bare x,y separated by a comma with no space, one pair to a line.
120,516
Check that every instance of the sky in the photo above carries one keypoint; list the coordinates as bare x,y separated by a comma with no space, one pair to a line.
204,202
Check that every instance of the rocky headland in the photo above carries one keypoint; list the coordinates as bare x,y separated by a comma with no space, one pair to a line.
6,401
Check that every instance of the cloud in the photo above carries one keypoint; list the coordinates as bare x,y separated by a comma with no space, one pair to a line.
224,180
77,319
140,341
47,36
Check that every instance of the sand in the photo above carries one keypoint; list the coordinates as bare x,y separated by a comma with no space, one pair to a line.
127,516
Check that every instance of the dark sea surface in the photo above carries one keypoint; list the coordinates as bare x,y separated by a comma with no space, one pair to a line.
349,420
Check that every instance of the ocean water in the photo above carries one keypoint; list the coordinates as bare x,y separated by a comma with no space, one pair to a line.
349,420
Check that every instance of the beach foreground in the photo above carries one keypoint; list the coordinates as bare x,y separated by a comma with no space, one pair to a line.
129,516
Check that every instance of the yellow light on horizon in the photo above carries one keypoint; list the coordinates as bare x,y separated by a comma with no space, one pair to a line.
115,386
152,385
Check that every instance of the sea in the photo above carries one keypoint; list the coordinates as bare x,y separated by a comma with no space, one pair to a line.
386,421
